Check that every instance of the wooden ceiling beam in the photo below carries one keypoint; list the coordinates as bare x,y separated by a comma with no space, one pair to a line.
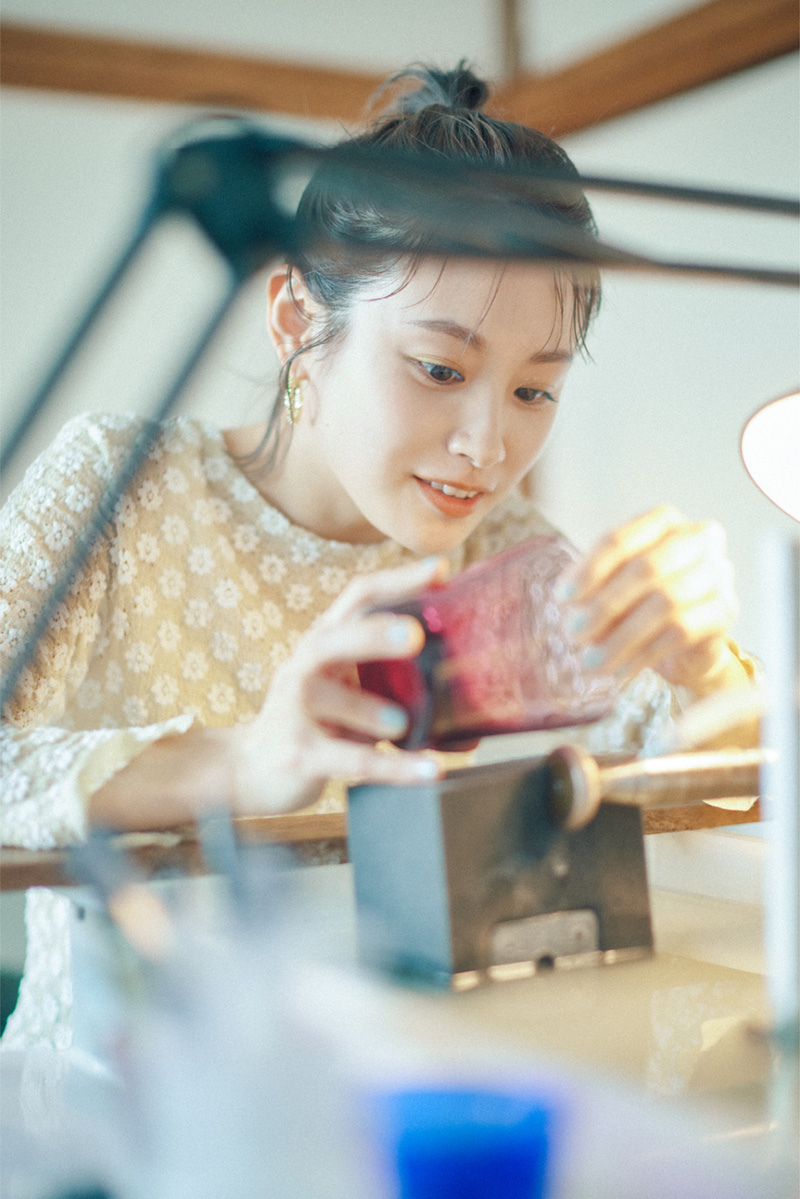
714,40
707,43
52,60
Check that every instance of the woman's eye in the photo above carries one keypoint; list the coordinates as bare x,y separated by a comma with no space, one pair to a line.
440,373
535,396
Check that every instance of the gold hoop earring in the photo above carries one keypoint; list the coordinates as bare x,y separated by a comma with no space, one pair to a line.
293,399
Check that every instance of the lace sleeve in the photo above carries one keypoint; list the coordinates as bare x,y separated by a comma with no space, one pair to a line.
47,772
39,527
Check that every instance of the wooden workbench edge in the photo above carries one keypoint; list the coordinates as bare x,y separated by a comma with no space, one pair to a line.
316,838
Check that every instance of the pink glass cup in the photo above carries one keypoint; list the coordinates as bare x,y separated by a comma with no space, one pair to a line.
498,657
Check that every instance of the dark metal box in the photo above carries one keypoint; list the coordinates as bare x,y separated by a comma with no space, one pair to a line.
470,878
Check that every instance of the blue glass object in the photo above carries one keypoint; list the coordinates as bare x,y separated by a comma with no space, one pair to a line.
468,1144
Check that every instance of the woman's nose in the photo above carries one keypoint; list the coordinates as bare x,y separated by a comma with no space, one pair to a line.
479,437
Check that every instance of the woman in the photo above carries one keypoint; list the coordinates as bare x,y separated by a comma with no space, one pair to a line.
207,652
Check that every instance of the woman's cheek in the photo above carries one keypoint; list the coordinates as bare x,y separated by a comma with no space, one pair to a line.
533,438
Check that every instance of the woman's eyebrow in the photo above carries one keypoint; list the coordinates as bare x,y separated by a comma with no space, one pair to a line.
452,329
552,356
473,337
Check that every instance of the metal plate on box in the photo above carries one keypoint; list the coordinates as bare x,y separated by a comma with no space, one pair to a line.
545,937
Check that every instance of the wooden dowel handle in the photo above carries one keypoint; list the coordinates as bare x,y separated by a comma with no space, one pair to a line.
674,780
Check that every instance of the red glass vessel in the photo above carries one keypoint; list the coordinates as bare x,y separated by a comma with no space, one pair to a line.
497,656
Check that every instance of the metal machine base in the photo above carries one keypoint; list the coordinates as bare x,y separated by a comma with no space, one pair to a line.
470,878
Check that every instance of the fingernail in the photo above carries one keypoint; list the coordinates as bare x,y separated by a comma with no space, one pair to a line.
593,656
400,632
393,720
438,566
563,590
576,620
426,768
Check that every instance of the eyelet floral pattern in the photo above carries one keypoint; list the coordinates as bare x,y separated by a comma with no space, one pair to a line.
193,596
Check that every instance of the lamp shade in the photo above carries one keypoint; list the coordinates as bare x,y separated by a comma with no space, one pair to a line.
771,452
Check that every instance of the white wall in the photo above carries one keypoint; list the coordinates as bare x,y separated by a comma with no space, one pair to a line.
76,176
680,365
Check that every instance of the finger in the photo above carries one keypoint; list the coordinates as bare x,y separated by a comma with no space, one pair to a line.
653,631
364,638
364,764
349,710
675,664
582,579
385,587
680,568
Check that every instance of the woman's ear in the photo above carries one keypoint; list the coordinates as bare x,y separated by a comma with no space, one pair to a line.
288,317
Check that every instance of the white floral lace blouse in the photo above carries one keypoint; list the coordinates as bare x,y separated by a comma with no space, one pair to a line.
193,595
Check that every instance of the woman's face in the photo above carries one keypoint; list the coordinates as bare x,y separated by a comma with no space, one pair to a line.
432,406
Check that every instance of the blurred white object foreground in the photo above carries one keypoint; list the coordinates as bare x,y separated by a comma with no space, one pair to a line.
249,1061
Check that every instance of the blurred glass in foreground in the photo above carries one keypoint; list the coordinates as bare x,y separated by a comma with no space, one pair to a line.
467,1144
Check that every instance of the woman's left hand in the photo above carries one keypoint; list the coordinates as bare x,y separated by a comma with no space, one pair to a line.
658,592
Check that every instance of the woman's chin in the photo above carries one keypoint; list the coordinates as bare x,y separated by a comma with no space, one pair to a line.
429,546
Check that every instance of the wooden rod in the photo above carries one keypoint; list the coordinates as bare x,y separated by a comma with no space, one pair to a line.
314,840
512,43
580,782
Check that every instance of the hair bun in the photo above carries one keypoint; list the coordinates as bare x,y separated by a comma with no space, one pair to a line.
457,89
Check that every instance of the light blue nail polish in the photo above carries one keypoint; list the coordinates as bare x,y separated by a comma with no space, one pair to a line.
399,633
576,621
563,590
393,720
427,769
593,656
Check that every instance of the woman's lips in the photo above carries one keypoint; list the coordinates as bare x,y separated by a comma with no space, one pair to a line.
450,505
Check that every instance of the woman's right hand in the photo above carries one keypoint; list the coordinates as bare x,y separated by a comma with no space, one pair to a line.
316,723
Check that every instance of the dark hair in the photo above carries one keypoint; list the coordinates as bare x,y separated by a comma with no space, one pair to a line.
439,113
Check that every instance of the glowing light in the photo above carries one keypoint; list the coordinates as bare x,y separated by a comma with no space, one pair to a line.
771,452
